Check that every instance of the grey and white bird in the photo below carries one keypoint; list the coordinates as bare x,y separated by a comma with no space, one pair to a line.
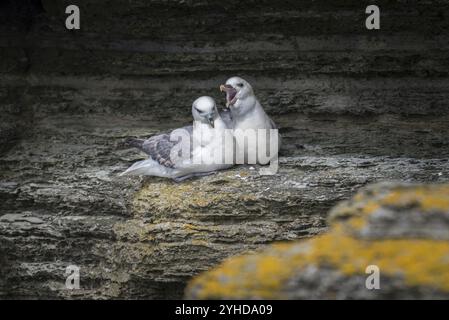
196,150
247,113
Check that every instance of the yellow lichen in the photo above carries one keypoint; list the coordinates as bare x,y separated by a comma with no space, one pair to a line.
419,262
370,207
434,198
427,198
167,196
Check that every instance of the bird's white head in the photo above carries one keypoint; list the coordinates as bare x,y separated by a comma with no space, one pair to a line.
204,110
239,95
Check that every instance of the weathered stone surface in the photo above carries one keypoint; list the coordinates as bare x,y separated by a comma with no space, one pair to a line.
402,229
306,56
354,107
63,202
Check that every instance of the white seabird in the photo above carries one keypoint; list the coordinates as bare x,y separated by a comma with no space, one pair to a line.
247,113
205,147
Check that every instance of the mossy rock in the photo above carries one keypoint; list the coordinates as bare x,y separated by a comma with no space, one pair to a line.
386,225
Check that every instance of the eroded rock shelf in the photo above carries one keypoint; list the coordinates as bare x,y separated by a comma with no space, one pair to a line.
354,108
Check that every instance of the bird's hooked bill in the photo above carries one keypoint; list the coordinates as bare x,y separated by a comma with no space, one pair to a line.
225,87
210,119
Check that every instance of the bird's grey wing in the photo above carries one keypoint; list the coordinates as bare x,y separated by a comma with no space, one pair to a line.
159,147
227,118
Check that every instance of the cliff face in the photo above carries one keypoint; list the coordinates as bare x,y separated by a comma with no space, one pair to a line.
354,107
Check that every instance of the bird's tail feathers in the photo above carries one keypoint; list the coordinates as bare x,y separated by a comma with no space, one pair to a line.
139,168
147,167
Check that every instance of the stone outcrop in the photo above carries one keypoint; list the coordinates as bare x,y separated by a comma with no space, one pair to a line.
403,230
354,107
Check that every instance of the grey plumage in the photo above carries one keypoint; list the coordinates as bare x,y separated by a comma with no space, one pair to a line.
159,148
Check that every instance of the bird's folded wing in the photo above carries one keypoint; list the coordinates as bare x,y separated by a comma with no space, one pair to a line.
159,147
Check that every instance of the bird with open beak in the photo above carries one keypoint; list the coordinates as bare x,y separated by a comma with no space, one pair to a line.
246,110
237,90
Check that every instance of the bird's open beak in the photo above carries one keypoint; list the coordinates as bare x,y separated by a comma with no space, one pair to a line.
210,119
230,94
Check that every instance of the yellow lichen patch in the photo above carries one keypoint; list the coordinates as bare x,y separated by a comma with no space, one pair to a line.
435,198
240,275
167,196
416,262
357,223
138,230
370,207
426,198
268,268
264,275
354,209
419,262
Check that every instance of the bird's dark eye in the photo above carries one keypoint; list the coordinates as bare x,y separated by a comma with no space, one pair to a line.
198,110
240,85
